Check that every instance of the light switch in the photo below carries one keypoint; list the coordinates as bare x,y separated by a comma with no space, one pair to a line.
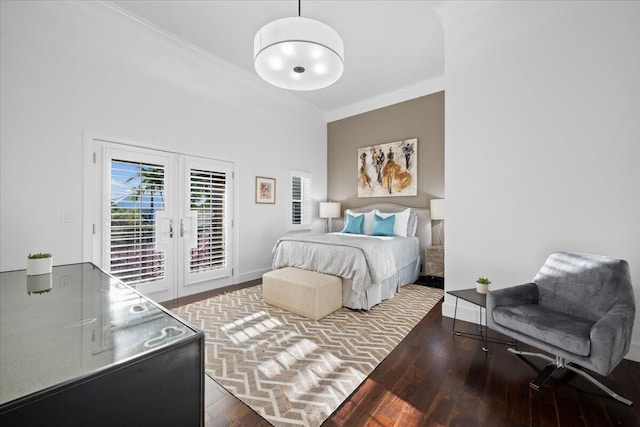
65,216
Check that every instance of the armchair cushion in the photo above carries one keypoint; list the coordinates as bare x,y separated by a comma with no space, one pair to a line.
553,327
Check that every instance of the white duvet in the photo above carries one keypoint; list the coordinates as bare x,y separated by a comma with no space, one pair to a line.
366,260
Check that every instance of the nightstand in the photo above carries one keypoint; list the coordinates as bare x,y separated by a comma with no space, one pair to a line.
435,265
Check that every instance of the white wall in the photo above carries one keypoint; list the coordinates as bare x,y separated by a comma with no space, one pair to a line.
542,147
73,67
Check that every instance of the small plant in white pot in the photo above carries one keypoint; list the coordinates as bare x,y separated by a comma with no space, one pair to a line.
482,285
40,263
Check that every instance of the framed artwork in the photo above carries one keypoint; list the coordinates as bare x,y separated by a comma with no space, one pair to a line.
388,170
265,190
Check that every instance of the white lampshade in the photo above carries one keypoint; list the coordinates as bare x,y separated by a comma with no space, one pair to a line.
436,207
329,210
298,53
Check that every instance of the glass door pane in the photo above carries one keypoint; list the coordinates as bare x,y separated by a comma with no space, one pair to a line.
137,194
138,242
206,224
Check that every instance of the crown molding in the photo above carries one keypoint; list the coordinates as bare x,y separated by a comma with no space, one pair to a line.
407,93
197,52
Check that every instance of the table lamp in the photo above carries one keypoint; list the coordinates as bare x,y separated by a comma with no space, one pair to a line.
329,210
436,206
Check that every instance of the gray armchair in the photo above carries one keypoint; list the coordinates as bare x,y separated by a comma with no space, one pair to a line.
579,307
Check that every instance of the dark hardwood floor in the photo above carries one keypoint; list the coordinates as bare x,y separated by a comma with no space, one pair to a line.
434,378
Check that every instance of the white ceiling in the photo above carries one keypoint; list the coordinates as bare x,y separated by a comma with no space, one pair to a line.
389,45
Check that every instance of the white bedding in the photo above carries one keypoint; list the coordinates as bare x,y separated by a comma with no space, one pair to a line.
373,268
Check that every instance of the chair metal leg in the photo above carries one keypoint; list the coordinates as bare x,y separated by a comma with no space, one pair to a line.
546,373
529,353
602,386
558,363
543,377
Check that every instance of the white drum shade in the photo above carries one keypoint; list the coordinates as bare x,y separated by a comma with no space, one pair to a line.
298,53
436,206
329,210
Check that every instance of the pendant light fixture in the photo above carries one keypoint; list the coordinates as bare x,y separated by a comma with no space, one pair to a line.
298,53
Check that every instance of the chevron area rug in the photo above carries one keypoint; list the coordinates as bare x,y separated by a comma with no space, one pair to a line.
291,370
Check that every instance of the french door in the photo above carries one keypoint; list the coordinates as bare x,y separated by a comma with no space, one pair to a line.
167,221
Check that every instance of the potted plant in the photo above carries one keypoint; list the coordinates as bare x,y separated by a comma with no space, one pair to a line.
39,263
482,285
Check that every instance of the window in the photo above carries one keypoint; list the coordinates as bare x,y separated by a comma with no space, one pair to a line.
300,200
208,190
137,193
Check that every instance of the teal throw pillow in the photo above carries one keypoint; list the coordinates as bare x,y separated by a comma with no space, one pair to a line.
354,224
383,226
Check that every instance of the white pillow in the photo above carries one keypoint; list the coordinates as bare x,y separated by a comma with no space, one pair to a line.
413,225
402,221
367,225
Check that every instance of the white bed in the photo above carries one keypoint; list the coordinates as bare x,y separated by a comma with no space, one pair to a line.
372,268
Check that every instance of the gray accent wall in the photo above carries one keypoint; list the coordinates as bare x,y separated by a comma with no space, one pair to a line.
421,118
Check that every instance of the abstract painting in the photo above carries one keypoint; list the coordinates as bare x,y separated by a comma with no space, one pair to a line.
389,169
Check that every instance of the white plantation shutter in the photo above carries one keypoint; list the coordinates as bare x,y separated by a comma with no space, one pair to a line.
296,200
207,194
167,219
306,201
300,200
137,194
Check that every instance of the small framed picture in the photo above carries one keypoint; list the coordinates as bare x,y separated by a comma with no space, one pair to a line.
265,190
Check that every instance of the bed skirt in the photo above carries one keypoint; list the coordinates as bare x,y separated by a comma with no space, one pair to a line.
379,292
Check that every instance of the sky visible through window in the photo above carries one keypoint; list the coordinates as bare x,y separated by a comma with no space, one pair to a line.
135,185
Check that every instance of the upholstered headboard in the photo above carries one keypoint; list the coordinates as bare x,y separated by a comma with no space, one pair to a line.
423,230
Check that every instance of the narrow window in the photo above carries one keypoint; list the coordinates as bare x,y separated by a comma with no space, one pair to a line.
300,200
208,191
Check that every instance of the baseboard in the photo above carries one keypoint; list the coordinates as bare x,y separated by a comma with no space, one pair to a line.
466,311
251,275
471,313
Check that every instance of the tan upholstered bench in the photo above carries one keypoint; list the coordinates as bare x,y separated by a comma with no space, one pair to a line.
307,293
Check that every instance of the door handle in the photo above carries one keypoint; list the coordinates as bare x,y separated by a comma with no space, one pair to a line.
171,229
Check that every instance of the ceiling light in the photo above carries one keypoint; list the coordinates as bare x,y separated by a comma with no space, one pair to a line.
298,53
